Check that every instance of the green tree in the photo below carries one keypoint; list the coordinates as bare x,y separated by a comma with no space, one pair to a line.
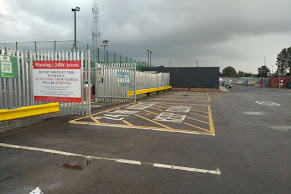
263,71
284,61
229,71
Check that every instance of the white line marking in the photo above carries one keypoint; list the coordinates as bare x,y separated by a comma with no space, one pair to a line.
267,103
217,171
128,161
145,128
182,168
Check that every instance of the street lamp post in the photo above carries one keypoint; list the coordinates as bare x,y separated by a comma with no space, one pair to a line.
75,35
105,44
262,72
148,57
151,58
196,63
169,63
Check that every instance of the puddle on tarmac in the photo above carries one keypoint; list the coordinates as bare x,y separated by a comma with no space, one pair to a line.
21,190
253,113
77,165
282,128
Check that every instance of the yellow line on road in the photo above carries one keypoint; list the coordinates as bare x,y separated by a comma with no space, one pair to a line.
199,111
82,122
208,97
159,106
198,115
128,123
200,108
179,104
197,127
151,112
210,121
147,127
165,126
102,112
197,120
156,108
96,121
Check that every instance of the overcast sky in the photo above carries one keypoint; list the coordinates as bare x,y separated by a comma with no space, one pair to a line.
239,33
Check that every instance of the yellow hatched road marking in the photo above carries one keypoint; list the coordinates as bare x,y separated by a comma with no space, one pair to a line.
199,111
81,122
197,120
96,121
128,123
147,127
151,112
200,108
159,106
198,115
156,108
210,121
165,126
197,127
178,104
103,111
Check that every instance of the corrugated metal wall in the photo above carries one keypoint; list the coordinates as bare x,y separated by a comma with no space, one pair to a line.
190,77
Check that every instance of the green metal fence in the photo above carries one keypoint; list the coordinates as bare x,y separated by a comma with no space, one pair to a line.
100,55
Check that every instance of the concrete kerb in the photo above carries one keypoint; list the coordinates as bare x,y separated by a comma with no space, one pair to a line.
224,89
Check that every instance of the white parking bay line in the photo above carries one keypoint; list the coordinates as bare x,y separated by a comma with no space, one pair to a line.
120,160
128,161
217,171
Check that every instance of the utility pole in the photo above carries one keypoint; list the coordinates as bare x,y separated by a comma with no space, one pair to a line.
196,63
169,63
262,71
95,30
151,58
280,69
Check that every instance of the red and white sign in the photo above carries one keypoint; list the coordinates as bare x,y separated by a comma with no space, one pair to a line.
58,81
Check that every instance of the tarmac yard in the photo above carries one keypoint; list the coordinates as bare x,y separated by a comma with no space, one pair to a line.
174,142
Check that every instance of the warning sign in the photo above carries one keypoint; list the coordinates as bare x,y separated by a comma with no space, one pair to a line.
58,81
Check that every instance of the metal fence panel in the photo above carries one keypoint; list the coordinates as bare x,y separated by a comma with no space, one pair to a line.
18,92
119,81
114,81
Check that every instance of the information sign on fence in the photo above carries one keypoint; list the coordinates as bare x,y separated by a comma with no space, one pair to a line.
8,67
58,81
123,78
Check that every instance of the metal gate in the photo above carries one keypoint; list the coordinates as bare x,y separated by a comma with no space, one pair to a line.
114,82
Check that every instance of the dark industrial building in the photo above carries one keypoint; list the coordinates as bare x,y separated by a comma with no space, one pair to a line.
190,77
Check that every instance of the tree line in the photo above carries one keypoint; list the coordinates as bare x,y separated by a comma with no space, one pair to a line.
231,72
283,64
284,61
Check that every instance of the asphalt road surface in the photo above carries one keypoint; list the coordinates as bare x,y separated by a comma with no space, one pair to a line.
177,142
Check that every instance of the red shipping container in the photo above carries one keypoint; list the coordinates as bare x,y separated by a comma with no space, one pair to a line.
274,81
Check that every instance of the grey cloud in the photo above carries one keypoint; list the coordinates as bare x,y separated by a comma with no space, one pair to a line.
213,32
